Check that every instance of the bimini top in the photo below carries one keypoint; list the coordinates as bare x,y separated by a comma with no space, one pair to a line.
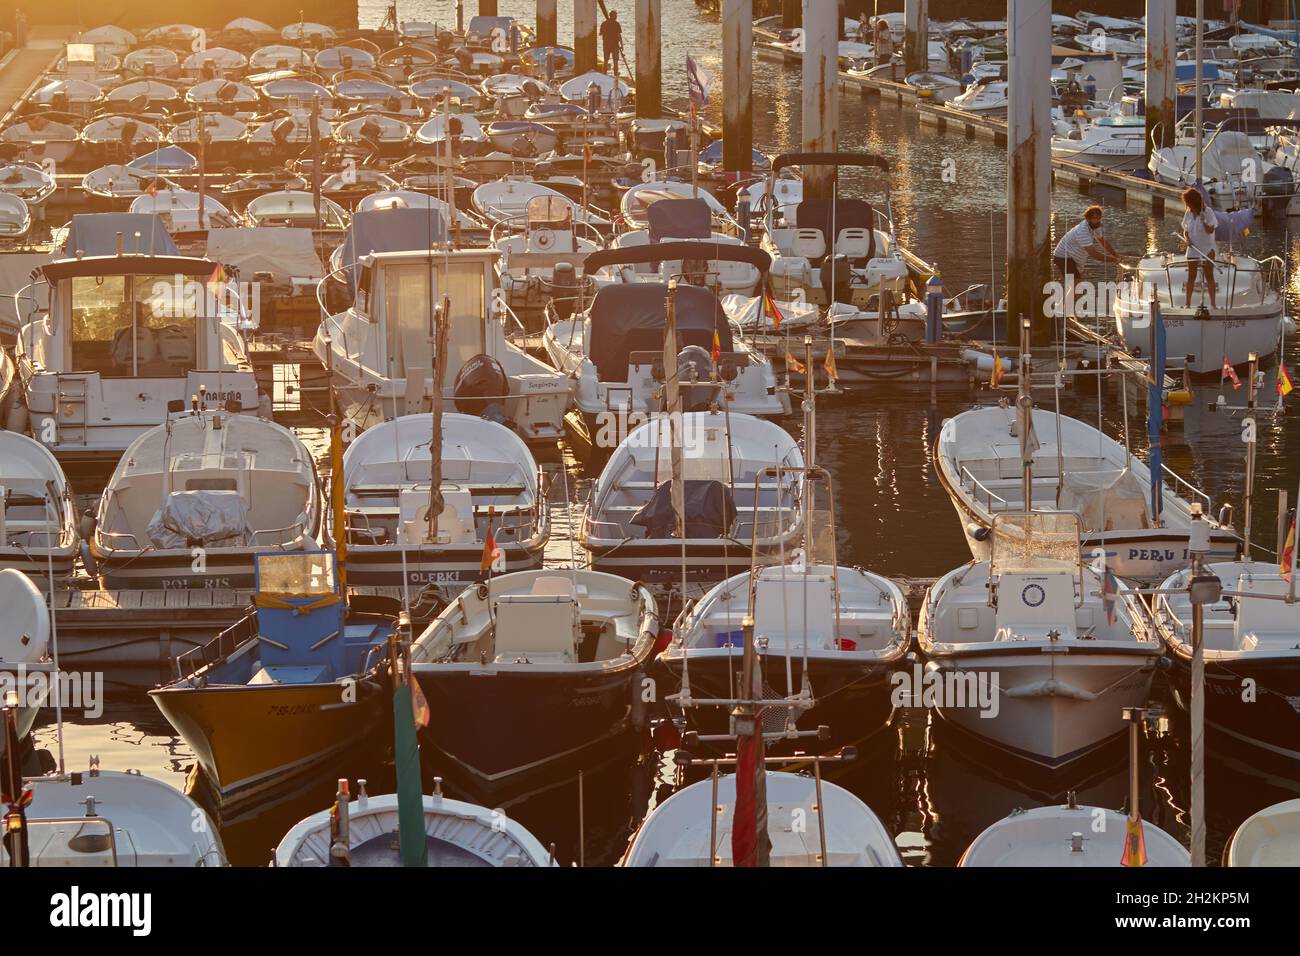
679,219
390,230
95,234
786,160
126,265
630,318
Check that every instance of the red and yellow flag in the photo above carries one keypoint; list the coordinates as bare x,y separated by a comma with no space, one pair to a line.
419,704
1135,842
794,365
217,279
998,371
489,553
716,353
769,306
831,371
1287,558
1284,385
1229,373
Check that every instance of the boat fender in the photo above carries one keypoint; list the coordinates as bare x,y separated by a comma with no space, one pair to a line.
978,532
86,527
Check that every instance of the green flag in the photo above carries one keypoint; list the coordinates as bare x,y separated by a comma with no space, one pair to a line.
410,799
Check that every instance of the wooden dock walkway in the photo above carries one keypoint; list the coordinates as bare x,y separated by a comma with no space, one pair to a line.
21,70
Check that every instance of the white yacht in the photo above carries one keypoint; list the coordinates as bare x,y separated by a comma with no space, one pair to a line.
38,519
987,96
1111,142
380,349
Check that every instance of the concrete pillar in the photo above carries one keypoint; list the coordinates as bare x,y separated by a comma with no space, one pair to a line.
1029,165
737,85
487,8
546,16
584,36
649,65
821,90
1161,89
916,36
791,14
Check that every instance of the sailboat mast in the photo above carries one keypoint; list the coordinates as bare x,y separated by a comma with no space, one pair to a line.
672,408
1200,55
438,336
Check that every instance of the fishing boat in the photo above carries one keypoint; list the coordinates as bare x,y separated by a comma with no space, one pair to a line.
837,249
1250,638
532,251
1072,835
38,520
742,485
534,669
195,501
115,818
26,667
613,343
1033,651
1270,837
490,490
1245,316
299,680
124,338
693,827
381,355
1077,469
361,831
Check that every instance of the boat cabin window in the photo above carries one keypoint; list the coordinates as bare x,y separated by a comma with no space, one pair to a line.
298,573
408,313
132,326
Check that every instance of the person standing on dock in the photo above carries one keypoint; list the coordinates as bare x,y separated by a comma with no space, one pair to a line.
611,38
1199,225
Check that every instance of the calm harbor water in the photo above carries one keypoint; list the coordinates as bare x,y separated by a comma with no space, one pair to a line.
894,518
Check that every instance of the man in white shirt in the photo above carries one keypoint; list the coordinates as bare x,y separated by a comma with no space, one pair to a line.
1082,242
1199,225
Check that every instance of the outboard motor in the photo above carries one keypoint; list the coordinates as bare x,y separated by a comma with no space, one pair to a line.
836,270
698,390
480,389
1275,193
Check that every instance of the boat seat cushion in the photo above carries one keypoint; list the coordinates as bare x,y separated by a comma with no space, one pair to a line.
808,244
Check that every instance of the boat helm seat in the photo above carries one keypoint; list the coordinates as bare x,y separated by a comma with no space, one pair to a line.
1033,604
855,243
455,524
808,244
537,628
146,346
1263,621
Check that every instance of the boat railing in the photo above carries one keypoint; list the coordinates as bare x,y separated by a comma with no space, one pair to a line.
288,534
518,223
1270,271
193,662
1181,482
977,486
79,824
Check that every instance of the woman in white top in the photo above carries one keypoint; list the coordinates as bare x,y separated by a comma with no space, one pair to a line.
1199,223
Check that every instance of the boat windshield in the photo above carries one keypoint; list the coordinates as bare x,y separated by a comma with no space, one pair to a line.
1041,541
297,573
135,326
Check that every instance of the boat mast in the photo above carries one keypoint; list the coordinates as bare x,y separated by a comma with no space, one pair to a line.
1250,458
1200,53
1025,420
438,338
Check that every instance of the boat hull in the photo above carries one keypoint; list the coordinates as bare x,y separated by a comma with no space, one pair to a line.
172,570
450,568
1052,709
1207,341
662,560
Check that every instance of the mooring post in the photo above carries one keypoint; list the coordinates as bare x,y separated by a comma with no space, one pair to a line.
821,91
649,66
487,8
916,37
933,310
737,83
1160,89
547,35
1029,164
791,14
584,36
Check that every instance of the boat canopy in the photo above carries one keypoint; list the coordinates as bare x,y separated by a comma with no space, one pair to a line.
630,318
95,234
390,230
679,219
283,252
829,159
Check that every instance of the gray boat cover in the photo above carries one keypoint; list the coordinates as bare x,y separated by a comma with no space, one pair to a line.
390,230
679,219
95,234
283,252
630,318
189,518
710,510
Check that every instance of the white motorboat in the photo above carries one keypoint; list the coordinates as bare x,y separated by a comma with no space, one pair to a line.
391,135
292,130
226,136
126,337
195,499
837,249
614,342
1088,474
806,827
506,200
1073,836
380,349
116,818
467,135
458,834
742,485
1250,636
1032,651
1245,316
26,667
1270,837
1232,170
532,250
38,138
218,94
38,520
987,96
491,487
179,211
1110,142
295,207
15,218
612,91
31,183
563,654
116,185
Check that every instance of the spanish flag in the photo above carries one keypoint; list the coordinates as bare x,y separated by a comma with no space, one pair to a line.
716,354
1284,385
419,703
1135,842
217,280
831,371
792,364
769,306
490,552
1288,554
998,371
1229,373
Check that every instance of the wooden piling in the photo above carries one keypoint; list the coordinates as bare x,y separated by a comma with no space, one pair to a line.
737,85
649,65
584,36
821,91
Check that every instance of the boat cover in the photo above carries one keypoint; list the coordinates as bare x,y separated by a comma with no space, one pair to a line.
630,318
710,510
95,234
679,219
285,253
390,230
1105,500
189,518
833,216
